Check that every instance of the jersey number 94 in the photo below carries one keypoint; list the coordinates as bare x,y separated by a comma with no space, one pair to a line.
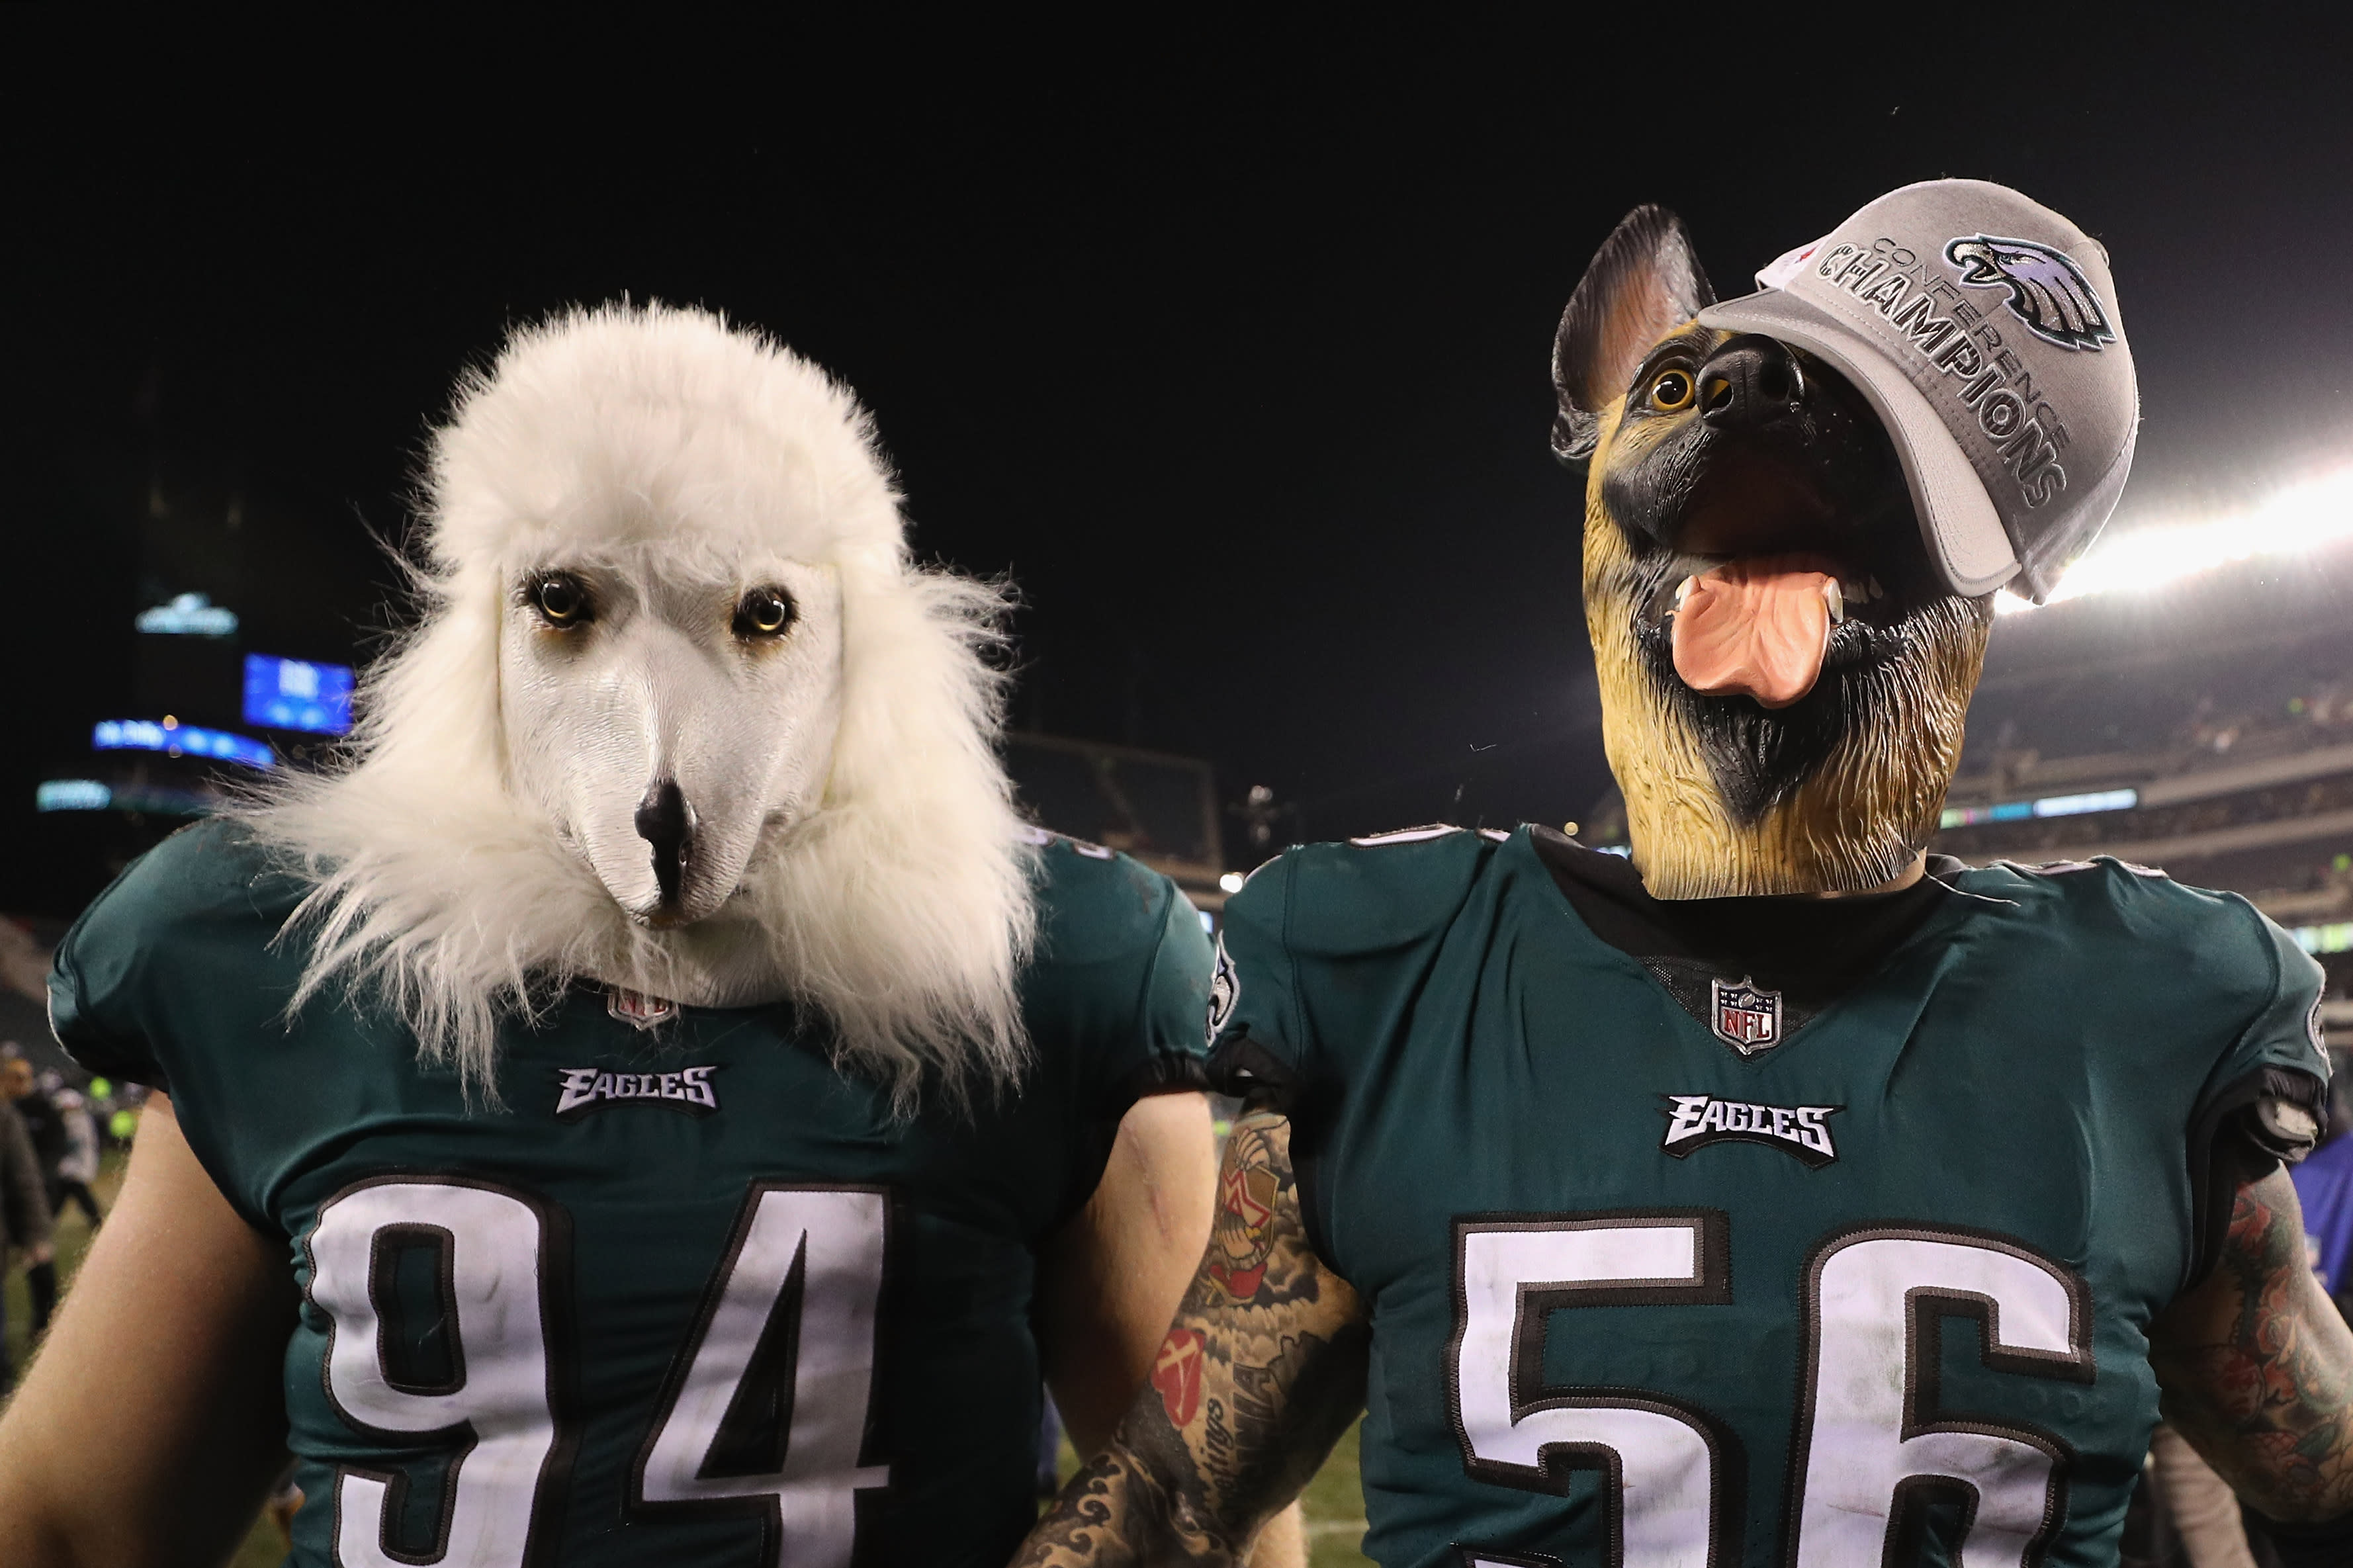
762,1412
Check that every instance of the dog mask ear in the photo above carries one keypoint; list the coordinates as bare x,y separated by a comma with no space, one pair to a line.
1643,283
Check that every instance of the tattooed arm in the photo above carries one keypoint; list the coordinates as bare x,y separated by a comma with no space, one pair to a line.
1262,1372
2256,1365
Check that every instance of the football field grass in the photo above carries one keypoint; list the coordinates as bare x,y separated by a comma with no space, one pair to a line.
1334,1510
1333,1506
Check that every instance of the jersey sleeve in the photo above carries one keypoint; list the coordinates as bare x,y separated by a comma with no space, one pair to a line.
1325,950
2272,1084
100,976
1121,980
2266,1100
1258,1047
1176,998
169,979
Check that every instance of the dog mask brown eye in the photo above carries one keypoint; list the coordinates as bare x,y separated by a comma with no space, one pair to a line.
1671,391
764,613
561,599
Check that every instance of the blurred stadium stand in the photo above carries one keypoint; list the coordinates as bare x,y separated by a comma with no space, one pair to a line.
2205,730
1162,809
195,568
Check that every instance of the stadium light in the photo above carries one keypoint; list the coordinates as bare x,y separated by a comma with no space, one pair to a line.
175,739
2299,518
72,794
189,615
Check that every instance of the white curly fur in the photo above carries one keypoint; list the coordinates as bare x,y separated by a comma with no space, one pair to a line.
900,909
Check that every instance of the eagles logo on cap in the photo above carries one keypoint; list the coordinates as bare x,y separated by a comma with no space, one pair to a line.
2015,426
2047,291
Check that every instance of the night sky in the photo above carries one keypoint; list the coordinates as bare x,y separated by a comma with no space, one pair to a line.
1237,365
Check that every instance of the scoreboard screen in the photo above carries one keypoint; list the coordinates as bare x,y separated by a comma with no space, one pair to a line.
295,694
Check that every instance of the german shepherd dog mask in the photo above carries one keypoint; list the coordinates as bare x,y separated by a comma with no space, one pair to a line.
1784,676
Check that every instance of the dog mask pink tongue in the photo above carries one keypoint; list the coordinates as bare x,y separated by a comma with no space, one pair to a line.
1754,628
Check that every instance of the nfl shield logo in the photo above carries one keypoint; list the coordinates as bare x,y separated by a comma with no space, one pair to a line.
1746,1017
638,1009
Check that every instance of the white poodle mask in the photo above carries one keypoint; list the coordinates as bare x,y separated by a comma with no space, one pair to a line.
663,505
668,714
682,716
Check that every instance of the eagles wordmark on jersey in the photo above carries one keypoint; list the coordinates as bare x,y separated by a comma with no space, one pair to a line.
693,1295
1643,1292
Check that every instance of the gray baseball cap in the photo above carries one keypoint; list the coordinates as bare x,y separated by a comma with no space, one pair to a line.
1983,327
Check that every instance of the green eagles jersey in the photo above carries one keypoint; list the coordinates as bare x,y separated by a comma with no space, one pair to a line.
1648,1289
693,1296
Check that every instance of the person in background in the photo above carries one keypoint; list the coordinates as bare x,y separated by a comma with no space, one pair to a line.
78,1166
47,1130
24,1210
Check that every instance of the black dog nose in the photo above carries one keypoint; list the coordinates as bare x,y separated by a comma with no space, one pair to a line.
1750,379
664,821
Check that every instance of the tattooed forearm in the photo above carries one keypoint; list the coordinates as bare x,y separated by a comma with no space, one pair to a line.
2256,1364
1262,1372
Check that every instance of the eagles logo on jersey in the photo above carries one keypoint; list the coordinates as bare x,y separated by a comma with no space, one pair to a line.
1696,1120
1224,985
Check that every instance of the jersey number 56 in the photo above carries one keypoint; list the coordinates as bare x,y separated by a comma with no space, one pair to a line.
1871,1439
